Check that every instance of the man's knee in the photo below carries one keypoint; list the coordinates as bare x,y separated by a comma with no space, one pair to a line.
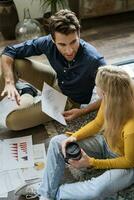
34,72
11,122
25,118
58,139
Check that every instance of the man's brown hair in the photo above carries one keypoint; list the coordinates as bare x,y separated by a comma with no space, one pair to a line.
65,22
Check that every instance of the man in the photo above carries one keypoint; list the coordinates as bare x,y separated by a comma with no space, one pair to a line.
74,61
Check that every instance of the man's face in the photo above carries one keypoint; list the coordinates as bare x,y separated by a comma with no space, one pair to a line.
67,44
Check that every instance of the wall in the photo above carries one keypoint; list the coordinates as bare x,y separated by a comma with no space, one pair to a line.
33,5
95,8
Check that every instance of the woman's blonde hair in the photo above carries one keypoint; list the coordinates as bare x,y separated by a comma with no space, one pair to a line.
118,100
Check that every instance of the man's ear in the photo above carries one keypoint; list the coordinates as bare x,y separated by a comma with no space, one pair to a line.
104,94
52,39
78,33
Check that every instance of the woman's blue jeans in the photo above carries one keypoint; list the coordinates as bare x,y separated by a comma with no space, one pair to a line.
108,183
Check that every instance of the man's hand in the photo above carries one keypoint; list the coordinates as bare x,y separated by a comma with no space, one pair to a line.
65,142
11,92
77,112
84,162
72,114
7,70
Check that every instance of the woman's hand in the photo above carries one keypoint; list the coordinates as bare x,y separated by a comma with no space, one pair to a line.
84,162
65,142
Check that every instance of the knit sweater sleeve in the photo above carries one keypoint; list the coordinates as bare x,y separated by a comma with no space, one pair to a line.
124,161
92,127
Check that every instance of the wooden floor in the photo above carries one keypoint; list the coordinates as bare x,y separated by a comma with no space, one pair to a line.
113,36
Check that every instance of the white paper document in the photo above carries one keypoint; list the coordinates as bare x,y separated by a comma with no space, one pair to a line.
6,107
39,156
129,68
9,181
53,103
3,195
18,152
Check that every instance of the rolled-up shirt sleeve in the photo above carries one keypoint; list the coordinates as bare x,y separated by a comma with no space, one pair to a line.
28,48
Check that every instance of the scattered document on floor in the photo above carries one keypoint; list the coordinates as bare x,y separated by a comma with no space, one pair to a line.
21,161
10,180
53,103
16,151
129,68
39,156
6,107
3,195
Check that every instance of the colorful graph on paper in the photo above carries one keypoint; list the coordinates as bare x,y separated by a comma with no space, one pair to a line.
18,152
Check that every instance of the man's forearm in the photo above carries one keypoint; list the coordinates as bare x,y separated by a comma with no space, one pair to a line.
7,69
91,107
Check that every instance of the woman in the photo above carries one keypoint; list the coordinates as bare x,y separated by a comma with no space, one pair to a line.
113,150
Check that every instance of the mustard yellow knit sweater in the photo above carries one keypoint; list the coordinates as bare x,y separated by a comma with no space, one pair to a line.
124,148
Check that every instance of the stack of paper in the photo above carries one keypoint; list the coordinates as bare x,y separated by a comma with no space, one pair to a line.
17,152
20,161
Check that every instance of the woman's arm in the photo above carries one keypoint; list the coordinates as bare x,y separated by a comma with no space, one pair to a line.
92,127
122,162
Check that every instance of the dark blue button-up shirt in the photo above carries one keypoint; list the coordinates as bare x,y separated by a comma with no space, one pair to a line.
76,79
